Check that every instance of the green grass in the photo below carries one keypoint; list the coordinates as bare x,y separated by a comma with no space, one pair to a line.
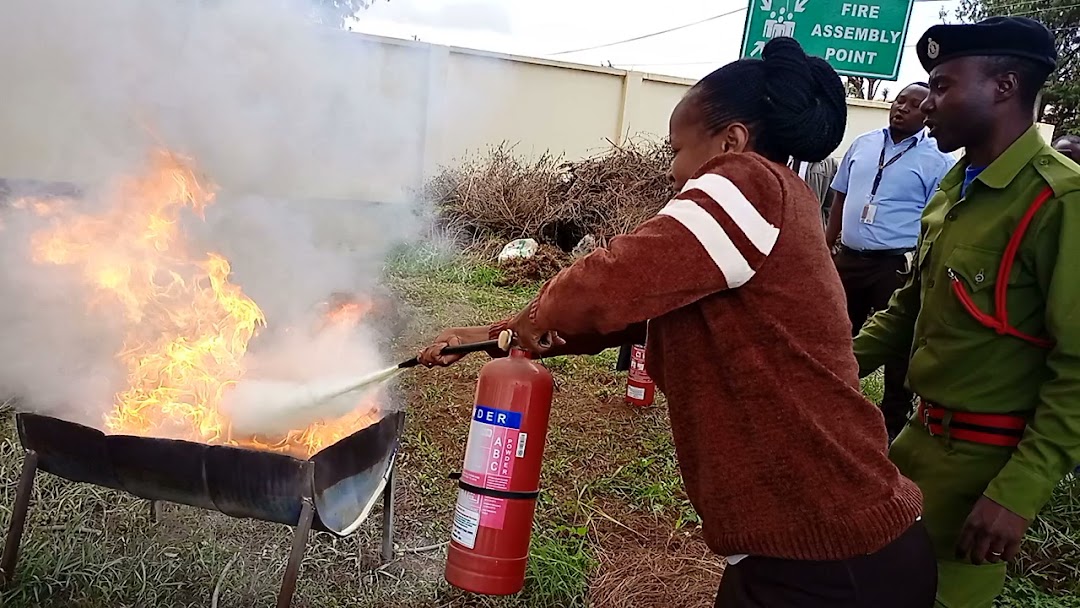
560,563
1025,593
873,386
1050,563
651,483
87,546
606,467
452,290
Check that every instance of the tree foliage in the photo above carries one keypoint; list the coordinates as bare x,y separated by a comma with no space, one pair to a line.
337,12
1060,103
864,88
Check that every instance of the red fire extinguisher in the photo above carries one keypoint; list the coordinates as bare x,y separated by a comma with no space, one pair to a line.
500,480
640,388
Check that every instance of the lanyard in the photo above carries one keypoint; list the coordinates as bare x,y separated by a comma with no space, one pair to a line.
999,321
881,164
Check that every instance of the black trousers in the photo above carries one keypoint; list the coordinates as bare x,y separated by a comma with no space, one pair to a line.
869,282
902,575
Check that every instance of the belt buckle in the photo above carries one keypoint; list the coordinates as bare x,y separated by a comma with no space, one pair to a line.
925,415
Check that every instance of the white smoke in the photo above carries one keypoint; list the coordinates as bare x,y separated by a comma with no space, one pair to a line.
313,144
55,356
476,15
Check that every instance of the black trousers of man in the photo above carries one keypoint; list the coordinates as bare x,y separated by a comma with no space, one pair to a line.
870,278
901,575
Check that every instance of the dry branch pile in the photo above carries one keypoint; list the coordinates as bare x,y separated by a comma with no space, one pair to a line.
501,196
546,263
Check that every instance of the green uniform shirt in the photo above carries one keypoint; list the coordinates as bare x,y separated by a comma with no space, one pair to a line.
964,366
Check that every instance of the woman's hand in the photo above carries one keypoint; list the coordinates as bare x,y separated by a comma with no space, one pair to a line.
532,338
432,356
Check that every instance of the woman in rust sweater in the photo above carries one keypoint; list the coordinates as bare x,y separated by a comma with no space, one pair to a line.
781,455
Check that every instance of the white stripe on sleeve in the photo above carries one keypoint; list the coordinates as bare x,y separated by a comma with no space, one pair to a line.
713,238
756,228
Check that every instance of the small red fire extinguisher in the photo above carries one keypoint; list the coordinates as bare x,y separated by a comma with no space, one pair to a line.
640,388
500,480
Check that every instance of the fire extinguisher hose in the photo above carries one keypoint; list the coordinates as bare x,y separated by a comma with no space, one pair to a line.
502,343
263,406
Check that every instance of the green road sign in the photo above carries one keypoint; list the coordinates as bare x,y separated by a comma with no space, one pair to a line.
856,38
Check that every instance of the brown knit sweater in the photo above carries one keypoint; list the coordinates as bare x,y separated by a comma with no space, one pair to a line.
748,339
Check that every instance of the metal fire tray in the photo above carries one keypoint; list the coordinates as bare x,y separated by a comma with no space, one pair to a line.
333,491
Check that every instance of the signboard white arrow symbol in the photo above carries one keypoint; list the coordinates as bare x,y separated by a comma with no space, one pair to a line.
766,5
800,5
758,47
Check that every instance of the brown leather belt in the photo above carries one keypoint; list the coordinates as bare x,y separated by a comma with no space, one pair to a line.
1004,430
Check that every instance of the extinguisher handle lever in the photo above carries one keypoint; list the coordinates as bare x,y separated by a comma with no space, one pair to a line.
506,337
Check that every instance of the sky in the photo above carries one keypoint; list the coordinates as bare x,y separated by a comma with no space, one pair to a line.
550,28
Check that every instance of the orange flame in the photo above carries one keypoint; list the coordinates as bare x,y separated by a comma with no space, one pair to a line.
187,326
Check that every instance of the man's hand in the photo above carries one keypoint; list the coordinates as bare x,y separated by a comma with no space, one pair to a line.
836,221
991,534
432,355
530,337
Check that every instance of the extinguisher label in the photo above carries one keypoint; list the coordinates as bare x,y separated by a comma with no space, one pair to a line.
466,525
495,439
635,392
637,365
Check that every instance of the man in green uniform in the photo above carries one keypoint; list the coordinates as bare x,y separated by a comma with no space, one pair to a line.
991,322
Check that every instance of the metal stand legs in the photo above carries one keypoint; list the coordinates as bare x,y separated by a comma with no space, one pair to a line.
18,519
303,528
299,543
388,519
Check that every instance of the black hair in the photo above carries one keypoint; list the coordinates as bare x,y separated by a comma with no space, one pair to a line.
794,105
1031,75
914,84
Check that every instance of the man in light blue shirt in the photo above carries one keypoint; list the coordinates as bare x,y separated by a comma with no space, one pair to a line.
880,190
1069,145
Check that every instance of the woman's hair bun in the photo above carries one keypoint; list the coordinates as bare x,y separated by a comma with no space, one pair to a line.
808,109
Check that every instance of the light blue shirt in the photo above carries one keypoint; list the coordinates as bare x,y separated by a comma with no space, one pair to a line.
906,185
970,173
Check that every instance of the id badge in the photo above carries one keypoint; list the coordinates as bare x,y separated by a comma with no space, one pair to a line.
868,213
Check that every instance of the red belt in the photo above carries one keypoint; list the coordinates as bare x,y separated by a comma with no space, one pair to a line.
1003,430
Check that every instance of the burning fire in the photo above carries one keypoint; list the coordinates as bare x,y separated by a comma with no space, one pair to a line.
187,326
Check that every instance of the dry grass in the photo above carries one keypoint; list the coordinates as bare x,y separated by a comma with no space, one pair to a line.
87,547
613,528
655,571
501,196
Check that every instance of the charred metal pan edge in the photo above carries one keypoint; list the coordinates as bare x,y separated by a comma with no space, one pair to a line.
344,480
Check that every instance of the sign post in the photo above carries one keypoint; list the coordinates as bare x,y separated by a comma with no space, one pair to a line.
857,38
